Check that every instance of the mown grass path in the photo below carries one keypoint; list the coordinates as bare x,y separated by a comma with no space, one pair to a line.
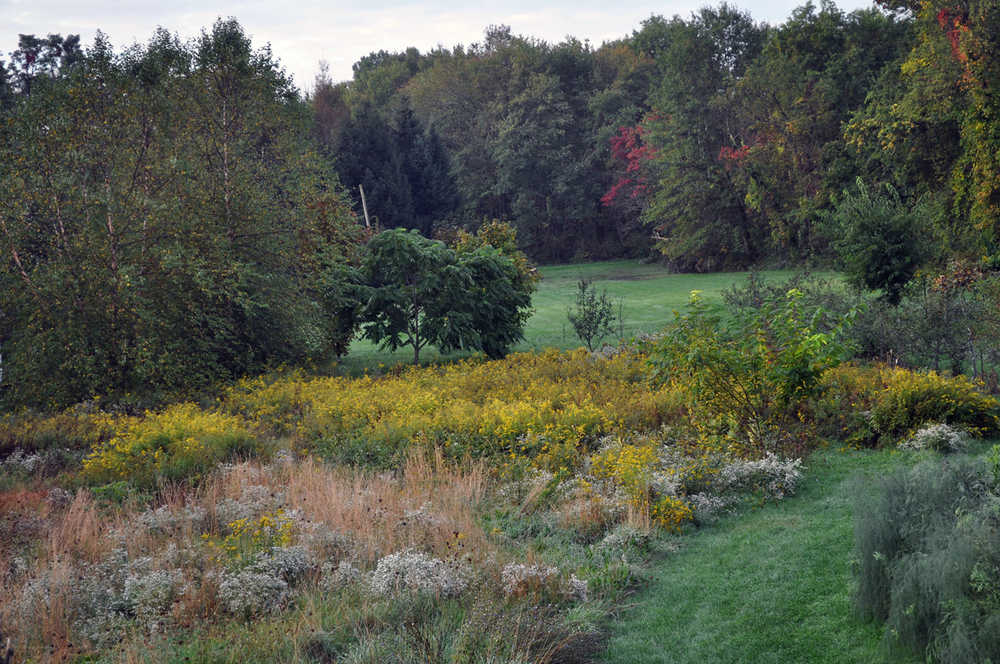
770,585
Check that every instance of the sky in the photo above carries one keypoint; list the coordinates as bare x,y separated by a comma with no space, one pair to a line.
304,32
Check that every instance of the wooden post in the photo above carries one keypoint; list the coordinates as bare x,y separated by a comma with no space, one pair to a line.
364,206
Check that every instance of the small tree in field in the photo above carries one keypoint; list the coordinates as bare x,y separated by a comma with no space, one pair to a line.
593,318
422,293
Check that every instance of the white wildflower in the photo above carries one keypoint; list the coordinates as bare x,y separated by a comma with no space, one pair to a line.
412,570
519,578
248,593
939,437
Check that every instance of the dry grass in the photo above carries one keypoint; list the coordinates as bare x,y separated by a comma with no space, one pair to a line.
429,505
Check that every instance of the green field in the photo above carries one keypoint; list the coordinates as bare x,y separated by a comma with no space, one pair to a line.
649,294
773,585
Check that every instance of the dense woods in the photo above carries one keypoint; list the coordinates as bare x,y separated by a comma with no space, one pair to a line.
714,140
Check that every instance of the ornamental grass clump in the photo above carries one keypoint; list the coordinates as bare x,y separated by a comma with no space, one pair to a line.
927,551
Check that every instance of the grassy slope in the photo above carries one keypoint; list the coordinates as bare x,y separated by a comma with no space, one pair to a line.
772,585
650,292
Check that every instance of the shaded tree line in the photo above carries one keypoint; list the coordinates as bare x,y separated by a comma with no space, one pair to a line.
714,140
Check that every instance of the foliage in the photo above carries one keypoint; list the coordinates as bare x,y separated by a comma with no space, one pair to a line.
174,227
879,405
911,400
420,292
594,316
944,322
71,429
545,406
928,125
401,164
182,443
701,220
927,558
880,240
790,106
505,281
750,373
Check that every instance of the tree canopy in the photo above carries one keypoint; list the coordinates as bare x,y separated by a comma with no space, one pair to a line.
165,221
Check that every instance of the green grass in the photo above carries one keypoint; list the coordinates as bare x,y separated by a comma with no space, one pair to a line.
771,585
651,294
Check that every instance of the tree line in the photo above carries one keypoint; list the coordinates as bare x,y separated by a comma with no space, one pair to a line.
714,141
168,220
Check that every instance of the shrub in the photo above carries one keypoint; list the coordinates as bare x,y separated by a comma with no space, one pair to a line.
871,406
748,374
181,443
937,437
927,546
74,429
415,571
671,513
879,239
774,477
249,593
911,399
949,322
593,317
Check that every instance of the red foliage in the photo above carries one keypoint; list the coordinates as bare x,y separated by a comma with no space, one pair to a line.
731,157
628,148
952,21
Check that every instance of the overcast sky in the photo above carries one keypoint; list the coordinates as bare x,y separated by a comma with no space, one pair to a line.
303,32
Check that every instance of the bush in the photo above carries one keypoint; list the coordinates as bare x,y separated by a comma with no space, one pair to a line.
911,399
870,406
179,444
417,572
593,318
73,429
937,437
751,373
927,546
879,240
949,322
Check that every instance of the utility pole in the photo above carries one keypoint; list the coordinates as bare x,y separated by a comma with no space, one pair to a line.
364,206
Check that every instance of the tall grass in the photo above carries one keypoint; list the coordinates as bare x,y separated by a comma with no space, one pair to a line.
927,544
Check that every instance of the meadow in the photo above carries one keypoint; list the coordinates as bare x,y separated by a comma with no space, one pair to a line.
648,293
475,511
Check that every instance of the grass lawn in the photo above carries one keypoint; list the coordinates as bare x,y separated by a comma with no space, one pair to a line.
651,294
770,585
